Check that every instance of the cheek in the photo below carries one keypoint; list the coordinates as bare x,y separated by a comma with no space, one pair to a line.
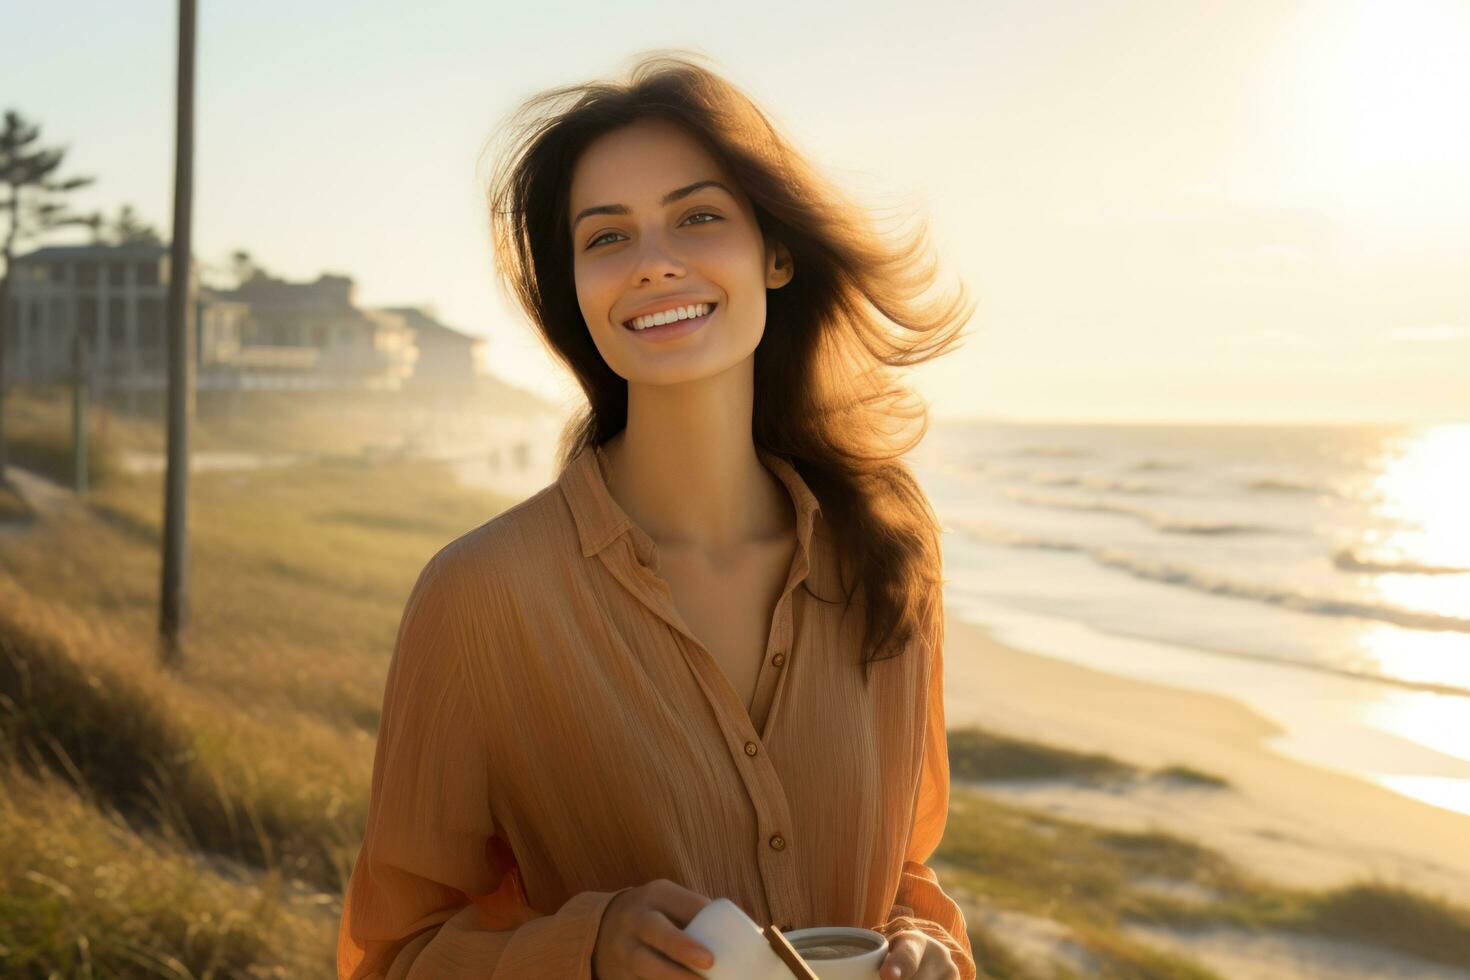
737,256
596,291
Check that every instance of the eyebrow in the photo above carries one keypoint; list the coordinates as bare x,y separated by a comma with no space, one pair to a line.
669,198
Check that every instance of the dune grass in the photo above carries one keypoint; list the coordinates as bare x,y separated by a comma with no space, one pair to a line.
202,821
1188,774
83,893
39,437
975,754
1093,879
13,507
256,755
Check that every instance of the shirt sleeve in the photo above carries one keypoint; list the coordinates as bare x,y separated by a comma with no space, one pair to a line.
435,891
921,903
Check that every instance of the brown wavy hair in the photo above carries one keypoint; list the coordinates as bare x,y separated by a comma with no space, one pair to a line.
825,394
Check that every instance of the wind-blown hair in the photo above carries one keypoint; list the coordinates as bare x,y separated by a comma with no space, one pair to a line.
825,393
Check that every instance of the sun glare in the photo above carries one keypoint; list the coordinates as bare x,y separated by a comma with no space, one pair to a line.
1371,96
1446,792
1423,484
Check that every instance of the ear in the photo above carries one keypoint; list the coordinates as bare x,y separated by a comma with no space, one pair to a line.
779,268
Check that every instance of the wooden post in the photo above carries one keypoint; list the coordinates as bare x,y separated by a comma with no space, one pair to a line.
79,410
173,611
4,343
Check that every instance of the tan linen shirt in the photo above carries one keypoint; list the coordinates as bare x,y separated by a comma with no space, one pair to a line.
552,733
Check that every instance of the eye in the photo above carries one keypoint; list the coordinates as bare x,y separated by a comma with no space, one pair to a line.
697,214
704,214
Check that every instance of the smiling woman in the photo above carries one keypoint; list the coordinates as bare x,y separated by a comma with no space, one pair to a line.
641,688
610,201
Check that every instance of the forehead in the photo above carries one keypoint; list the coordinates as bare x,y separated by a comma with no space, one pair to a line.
637,164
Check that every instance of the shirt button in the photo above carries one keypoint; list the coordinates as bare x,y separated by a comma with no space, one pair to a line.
750,748
778,842
779,659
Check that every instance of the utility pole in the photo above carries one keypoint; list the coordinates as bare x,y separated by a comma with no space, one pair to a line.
174,610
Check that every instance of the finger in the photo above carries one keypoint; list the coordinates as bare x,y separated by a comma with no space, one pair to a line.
649,964
937,964
657,931
902,961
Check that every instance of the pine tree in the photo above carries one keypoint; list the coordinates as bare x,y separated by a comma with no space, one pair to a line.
36,205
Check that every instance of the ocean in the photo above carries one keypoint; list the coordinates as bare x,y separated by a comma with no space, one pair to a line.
1321,574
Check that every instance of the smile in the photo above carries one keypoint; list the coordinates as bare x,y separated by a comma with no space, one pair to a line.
649,329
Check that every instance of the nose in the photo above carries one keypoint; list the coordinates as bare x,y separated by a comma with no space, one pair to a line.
656,260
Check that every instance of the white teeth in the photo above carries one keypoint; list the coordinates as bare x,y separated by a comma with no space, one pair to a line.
669,316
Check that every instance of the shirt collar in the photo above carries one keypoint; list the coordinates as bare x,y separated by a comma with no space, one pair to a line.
600,520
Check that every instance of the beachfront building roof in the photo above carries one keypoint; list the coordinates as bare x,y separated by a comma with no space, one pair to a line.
317,328
449,360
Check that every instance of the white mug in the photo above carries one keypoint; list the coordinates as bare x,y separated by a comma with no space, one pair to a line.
742,951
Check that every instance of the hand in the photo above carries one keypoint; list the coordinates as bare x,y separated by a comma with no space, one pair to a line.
915,955
641,936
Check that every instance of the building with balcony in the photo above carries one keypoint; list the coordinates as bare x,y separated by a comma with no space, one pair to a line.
116,295
268,333
313,335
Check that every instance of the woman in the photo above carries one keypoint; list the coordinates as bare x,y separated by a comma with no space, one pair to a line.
707,660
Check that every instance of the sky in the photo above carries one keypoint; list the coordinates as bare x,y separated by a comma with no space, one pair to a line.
1164,211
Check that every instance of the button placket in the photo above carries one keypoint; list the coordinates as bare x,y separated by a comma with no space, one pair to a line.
776,861
635,567
785,633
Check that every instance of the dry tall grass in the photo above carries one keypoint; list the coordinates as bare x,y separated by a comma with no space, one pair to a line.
200,821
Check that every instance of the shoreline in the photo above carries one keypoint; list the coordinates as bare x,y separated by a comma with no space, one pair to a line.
1284,819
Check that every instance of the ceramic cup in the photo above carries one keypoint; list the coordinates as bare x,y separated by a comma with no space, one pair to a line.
742,951
856,966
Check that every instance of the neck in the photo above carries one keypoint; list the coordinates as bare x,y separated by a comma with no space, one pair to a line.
686,469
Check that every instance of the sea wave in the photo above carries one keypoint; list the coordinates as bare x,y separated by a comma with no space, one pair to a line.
1363,560
1283,484
1326,668
1105,484
1168,573
1159,521
1058,452
1158,465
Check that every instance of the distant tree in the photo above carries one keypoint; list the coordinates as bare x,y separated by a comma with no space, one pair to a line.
97,223
126,229
35,206
129,229
243,267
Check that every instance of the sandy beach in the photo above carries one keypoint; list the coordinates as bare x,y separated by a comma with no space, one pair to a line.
1285,820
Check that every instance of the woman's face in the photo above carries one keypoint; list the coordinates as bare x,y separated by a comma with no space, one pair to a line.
651,243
